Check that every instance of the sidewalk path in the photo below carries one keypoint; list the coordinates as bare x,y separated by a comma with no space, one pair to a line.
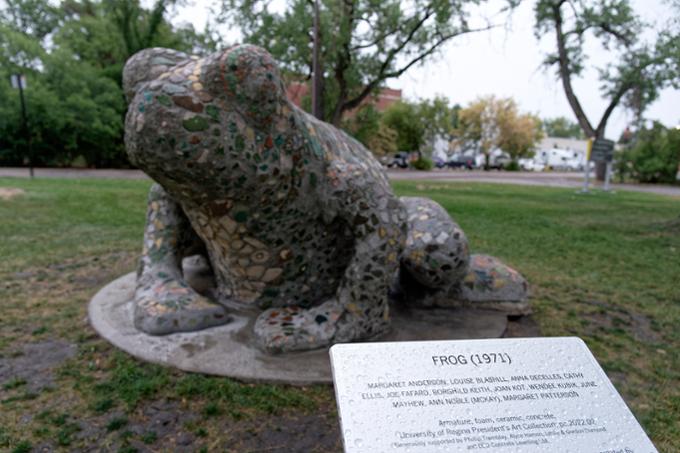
73,173
545,179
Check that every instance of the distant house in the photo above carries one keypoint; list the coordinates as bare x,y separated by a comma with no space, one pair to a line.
297,91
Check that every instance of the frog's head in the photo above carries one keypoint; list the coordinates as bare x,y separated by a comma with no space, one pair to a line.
247,78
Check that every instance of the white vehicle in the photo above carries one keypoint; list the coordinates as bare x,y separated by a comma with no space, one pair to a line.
498,159
560,159
530,164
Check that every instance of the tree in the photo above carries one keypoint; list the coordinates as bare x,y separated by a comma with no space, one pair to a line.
490,123
363,44
404,118
384,141
518,133
404,126
72,57
640,69
106,33
34,18
438,118
562,127
363,124
654,157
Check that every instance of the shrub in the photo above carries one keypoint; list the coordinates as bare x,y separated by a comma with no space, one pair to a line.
423,163
512,166
653,157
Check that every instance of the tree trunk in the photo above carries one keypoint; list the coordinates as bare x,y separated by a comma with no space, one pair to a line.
317,71
565,75
343,63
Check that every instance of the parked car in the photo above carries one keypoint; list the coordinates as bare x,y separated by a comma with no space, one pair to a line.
461,161
499,160
530,164
400,160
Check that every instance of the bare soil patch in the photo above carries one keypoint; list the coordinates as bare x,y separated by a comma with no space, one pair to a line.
608,318
7,193
33,364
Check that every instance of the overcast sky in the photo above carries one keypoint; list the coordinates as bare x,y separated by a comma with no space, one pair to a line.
507,62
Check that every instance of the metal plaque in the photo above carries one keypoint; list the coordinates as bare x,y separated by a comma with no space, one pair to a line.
602,150
506,395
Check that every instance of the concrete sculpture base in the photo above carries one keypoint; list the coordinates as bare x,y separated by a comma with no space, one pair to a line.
229,350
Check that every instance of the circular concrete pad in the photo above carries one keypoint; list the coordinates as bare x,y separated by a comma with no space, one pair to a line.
229,350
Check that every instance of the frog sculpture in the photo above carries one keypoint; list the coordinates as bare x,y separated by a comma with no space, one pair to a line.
297,220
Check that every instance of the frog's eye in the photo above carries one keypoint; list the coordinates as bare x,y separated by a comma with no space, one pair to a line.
250,70
248,78
148,64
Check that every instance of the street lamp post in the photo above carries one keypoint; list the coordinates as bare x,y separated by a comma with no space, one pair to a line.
19,82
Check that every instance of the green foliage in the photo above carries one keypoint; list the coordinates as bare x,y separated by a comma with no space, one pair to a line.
384,142
66,432
14,383
23,447
423,163
211,409
405,119
654,156
639,69
364,124
5,440
73,55
513,165
404,126
73,111
131,381
102,405
149,437
438,117
222,392
625,237
363,43
562,127
116,423
490,123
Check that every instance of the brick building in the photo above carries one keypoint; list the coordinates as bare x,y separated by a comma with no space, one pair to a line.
296,92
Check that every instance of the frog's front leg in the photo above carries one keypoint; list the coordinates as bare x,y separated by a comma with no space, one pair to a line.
360,308
436,256
164,302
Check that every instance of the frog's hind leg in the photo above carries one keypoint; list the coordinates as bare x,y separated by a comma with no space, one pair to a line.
436,256
164,302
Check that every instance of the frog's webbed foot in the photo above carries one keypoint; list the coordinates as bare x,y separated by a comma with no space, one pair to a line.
167,304
295,329
164,302
436,256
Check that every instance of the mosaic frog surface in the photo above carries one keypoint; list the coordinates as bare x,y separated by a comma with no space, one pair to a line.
296,218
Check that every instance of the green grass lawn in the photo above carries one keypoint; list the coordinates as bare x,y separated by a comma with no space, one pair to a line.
603,267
